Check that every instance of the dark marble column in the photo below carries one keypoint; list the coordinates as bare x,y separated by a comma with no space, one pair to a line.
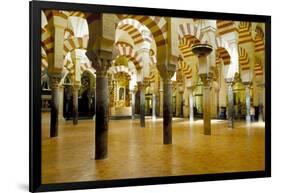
101,115
166,72
181,104
142,103
75,90
54,82
89,95
167,111
101,65
230,110
206,104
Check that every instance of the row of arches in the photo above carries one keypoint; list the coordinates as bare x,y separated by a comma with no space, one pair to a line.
128,55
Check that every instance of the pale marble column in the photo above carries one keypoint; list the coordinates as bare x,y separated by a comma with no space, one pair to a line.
133,104
179,101
230,111
153,106
61,95
190,100
248,102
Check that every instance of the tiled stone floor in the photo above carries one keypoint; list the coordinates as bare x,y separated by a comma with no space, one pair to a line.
138,152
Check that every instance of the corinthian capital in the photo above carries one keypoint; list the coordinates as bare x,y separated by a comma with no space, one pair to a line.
166,71
206,79
101,61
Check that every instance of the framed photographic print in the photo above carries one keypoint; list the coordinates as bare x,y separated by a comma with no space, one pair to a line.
125,96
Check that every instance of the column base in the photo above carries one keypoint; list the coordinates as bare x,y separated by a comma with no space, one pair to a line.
248,119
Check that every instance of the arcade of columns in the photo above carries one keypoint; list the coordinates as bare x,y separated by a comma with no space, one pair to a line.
130,56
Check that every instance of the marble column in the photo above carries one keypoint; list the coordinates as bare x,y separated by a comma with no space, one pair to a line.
248,102
153,106
101,115
190,100
179,100
166,72
142,103
167,111
133,104
218,103
101,65
206,104
75,90
261,96
230,110
54,83
89,95
181,104
161,99
61,95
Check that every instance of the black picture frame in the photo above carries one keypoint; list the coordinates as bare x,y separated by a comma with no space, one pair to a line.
35,184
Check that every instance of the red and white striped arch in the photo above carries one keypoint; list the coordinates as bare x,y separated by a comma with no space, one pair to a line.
134,28
123,44
47,41
44,62
245,32
243,59
258,70
75,43
259,42
185,68
188,35
157,26
153,60
86,67
225,26
223,50
120,68
130,54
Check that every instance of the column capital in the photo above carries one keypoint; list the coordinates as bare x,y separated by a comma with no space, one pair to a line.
229,80
229,83
248,84
55,80
206,79
190,87
143,84
166,71
76,86
101,61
